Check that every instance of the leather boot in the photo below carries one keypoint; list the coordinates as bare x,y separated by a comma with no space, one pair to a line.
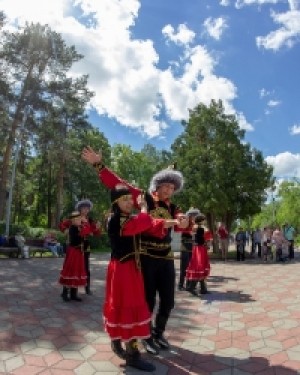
74,296
65,294
192,287
117,348
203,287
160,326
134,358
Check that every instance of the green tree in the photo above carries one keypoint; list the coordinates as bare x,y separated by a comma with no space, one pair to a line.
33,57
219,168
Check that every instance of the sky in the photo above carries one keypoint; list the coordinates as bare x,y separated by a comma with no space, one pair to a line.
150,61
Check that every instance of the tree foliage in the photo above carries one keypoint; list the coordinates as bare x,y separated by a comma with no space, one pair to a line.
219,167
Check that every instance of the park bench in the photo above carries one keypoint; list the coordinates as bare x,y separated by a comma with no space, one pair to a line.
11,252
36,245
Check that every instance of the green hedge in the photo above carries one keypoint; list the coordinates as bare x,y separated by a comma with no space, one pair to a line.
98,243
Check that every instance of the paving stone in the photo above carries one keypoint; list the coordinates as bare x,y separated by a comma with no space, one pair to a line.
238,327
14,363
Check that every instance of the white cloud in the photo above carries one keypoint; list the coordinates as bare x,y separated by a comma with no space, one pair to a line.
241,3
273,103
225,3
264,92
295,129
123,72
287,35
215,27
183,35
285,164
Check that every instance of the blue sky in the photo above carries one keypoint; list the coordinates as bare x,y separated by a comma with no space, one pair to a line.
149,61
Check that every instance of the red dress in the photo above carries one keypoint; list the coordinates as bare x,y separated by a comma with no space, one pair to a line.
73,273
199,266
126,314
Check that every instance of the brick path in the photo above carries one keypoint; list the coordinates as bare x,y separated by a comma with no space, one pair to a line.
249,324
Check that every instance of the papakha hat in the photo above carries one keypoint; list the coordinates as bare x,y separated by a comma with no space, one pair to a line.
192,212
167,176
118,192
83,203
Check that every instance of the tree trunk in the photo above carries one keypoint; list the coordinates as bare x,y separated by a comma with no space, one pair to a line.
10,143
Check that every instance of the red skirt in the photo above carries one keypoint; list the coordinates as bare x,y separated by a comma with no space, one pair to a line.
73,273
126,314
199,266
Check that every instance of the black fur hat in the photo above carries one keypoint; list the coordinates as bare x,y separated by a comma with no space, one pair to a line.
118,192
169,176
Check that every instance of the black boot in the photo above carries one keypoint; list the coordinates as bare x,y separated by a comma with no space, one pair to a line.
117,348
134,358
160,326
88,290
74,296
149,344
203,287
192,287
65,294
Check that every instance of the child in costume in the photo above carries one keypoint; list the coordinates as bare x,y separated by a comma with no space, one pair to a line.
126,313
199,267
73,274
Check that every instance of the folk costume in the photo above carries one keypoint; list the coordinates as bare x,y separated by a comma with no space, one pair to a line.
91,230
199,267
126,313
186,247
73,273
156,257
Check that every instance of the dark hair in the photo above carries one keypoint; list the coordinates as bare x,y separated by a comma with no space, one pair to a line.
199,218
118,192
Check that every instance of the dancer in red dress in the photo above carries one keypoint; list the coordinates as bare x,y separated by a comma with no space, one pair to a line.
73,274
157,259
126,313
92,228
199,267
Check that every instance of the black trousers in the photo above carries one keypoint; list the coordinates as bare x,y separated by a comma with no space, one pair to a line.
291,249
240,252
159,277
87,268
185,257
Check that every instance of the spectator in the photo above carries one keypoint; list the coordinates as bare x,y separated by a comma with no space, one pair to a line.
20,241
240,239
257,237
289,232
223,240
278,240
51,243
3,240
267,243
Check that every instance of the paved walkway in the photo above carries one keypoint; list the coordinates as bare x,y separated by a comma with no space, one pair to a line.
249,324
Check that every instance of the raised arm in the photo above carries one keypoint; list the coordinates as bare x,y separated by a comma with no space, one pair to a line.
107,176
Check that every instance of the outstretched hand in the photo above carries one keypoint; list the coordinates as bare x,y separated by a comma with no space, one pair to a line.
91,156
